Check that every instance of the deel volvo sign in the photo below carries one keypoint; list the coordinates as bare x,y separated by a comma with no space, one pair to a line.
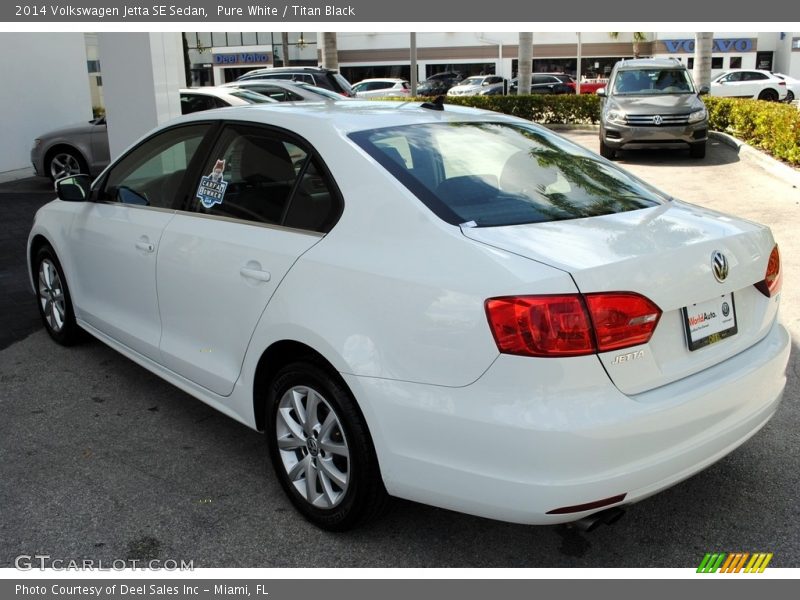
241,59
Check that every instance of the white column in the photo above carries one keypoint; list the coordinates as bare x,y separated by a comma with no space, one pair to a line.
142,73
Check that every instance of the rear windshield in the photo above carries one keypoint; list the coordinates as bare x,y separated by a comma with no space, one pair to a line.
497,174
653,81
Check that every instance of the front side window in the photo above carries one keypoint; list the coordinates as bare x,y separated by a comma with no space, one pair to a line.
261,176
503,174
653,81
151,174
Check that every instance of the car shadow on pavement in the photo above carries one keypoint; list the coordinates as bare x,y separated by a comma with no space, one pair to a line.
717,154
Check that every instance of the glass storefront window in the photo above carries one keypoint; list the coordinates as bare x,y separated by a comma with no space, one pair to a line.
204,39
218,38
249,39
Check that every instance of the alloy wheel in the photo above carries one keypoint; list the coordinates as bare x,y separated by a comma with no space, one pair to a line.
312,447
63,165
51,295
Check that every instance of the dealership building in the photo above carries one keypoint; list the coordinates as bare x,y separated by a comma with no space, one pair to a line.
134,75
221,57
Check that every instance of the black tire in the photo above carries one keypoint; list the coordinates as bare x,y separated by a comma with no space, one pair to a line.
52,291
364,496
607,151
789,97
63,162
697,150
769,95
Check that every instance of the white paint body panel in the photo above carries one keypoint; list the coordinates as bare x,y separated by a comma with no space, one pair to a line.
393,298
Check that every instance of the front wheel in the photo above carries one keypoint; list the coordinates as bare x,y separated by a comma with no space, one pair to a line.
607,151
698,150
65,163
54,301
321,449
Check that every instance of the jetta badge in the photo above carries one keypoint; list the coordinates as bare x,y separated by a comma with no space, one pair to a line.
719,266
657,120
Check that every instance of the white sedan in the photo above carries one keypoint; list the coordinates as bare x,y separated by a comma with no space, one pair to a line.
442,304
749,83
382,88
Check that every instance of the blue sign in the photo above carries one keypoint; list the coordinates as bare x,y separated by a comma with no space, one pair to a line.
720,45
241,58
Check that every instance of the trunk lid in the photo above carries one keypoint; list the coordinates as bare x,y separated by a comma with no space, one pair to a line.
664,253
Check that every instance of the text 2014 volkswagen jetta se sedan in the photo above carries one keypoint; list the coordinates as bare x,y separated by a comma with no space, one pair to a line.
451,306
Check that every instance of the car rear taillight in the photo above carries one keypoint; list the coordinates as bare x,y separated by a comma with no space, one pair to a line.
783,83
771,284
570,324
622,319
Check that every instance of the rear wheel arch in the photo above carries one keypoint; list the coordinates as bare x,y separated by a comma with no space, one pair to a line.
273,359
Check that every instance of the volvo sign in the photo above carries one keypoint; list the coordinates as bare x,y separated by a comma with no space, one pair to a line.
720,45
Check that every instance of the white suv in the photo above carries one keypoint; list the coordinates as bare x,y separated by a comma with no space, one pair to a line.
749,83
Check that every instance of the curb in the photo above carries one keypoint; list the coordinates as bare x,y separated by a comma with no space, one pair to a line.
772,165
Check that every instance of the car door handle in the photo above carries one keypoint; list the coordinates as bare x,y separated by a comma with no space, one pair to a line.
145,246
256,274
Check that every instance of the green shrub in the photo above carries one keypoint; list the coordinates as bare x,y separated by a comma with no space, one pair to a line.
540,108
770,126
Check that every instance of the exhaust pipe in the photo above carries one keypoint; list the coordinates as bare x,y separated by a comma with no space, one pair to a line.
593,521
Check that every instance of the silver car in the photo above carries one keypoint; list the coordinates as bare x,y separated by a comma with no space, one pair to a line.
78,148
652,102
83,147
286,91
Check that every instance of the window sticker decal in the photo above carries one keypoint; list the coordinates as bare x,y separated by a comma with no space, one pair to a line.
212,187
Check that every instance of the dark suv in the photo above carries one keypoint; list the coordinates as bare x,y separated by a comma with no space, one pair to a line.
652,102
318,76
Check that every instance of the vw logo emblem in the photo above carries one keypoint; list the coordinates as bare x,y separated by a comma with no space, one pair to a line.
657,120
726,309
719,266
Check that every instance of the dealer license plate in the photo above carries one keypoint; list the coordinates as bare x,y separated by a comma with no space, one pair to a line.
710,322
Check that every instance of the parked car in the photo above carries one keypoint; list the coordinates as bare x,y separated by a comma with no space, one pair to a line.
472,85
792,86
590,86
749,83
433,87
382,88
286,91
449,78
547,83
652,102
79,148
448,305
83,148
206,98
318,76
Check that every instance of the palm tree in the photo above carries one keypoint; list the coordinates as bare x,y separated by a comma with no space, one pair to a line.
638,37
703,44
525,64
330,53
285,47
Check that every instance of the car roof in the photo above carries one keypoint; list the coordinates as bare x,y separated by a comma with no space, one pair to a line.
347,116
392,79
650,63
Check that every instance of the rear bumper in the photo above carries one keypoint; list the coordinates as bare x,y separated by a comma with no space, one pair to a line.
534,435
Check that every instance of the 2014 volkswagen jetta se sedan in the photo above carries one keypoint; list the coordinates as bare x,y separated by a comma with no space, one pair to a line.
446,305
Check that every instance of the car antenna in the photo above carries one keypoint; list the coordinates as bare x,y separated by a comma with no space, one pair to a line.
437,104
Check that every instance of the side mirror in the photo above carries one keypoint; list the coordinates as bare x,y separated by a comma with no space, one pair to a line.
601,92
704,89
74,189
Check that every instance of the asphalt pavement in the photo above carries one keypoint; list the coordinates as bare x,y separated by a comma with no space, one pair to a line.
104,461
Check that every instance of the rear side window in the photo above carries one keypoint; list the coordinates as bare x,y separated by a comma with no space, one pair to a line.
497,174
259,175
